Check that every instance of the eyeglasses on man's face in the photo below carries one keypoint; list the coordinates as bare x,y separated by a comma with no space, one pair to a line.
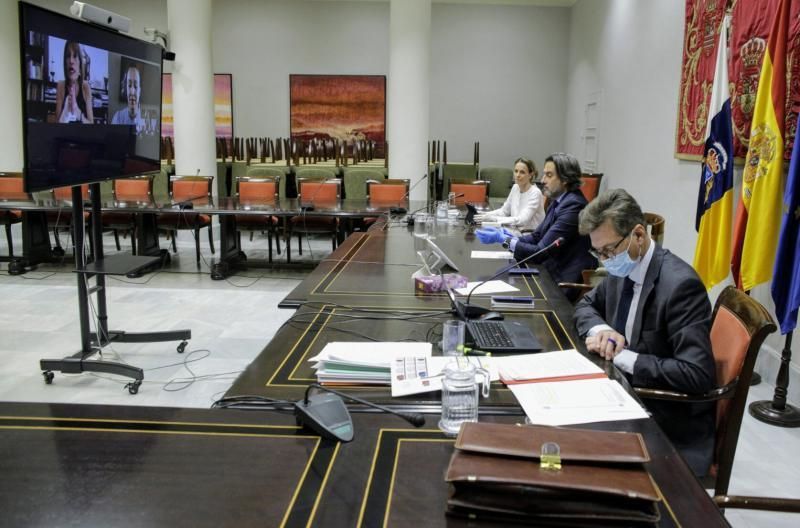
606,252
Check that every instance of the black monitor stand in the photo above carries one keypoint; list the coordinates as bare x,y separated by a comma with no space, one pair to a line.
91,342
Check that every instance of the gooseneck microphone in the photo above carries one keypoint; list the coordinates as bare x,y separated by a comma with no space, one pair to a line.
554,244
402,210
327,415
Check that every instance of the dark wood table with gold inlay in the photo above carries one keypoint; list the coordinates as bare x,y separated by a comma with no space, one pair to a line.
88,465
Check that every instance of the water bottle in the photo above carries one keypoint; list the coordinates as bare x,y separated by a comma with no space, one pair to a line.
460,395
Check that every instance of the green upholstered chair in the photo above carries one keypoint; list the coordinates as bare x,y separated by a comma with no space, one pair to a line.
461,172
259,189
355,181
500,179
267,170
11,184
187,188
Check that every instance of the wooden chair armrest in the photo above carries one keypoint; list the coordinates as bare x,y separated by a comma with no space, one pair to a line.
775,504
577,285
663,394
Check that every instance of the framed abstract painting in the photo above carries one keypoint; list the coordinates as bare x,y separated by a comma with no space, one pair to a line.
343,107
223,105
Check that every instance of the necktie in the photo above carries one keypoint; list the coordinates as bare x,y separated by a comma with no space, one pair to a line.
624,306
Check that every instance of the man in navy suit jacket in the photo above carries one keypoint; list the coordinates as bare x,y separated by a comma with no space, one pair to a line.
561,180
652,317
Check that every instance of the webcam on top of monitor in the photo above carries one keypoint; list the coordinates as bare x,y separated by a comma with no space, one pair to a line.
100,16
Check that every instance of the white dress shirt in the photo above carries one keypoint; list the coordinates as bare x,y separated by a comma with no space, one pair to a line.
627,358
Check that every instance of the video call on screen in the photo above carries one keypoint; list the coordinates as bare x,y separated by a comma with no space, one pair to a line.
92,98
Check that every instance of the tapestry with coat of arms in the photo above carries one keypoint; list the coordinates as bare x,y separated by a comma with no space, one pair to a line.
751,21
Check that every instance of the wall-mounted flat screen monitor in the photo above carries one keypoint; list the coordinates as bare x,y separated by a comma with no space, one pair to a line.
91,101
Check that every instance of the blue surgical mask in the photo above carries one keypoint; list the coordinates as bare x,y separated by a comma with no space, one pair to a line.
621,265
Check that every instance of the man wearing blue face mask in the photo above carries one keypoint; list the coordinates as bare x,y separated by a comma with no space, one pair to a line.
652,317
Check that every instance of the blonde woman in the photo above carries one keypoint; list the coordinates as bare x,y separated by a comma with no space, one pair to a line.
523,210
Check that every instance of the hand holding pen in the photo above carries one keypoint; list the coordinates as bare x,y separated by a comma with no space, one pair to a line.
606,343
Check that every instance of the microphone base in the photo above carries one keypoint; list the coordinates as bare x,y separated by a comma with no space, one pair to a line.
327,415
471,311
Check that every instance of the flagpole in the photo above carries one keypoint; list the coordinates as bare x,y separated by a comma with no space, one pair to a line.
777,411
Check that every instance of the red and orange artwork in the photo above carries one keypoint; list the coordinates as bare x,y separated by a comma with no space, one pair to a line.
223,105
343,107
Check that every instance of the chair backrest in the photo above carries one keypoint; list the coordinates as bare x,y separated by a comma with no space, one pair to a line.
500,179
474,192
11,183
257,188
190,187
65,193
391,192
312,191
356,181
315,174
139,188
740,325
590,185
461,172
655,224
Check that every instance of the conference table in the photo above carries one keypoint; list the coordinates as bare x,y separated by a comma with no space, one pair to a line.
85,465
230,257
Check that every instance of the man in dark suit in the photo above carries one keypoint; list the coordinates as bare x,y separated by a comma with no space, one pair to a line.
561,181
652,317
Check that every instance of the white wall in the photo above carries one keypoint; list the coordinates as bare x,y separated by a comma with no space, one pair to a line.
498,77
262,42
631,51
498,72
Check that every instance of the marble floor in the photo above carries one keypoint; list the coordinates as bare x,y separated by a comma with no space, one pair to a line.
231,322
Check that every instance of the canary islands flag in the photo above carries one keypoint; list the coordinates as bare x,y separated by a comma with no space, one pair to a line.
758,215
786,279
712,255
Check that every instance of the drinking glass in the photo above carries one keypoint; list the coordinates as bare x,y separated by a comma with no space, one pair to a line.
453,338
423,229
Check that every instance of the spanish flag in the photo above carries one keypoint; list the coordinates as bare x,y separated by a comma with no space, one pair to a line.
758,217
712,255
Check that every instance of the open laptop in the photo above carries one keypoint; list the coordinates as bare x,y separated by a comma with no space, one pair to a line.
503,337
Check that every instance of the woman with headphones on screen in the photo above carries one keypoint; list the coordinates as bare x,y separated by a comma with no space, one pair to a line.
524,207
73,94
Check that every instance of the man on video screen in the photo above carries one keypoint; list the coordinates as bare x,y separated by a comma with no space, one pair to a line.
131,114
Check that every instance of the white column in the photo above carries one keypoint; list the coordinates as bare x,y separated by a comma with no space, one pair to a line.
10,98
408,91
189,24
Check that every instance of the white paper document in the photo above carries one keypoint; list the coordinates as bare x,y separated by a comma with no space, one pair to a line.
363,363
413,375
576,402
494,286
499,255
560,365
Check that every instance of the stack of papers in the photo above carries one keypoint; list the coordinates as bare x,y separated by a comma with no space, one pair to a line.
561,365
576,402
362,363
413,375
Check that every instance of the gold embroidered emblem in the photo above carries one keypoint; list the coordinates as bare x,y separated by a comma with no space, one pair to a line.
760,154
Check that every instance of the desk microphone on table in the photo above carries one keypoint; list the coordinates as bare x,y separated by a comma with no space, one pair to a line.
467,308
402,210
327,415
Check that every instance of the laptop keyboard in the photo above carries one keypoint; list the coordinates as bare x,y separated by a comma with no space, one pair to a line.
490,334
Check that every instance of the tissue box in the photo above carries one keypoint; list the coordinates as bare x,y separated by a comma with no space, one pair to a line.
434,283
